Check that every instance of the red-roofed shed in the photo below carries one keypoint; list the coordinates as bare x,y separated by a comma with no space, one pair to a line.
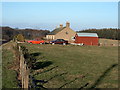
87,38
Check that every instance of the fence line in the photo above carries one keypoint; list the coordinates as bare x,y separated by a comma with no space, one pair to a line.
24,70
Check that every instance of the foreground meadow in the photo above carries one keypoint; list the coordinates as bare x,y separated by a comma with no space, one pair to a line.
9,74
75,66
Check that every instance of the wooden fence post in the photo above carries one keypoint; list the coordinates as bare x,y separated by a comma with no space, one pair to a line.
24,71
20,62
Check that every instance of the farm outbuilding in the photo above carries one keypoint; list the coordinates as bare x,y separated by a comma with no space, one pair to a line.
65,33
86,38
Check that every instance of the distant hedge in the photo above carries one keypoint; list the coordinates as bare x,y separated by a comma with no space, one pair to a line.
10,33
105,33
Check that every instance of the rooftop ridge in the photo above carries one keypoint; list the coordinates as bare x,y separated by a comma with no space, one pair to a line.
87,34
56,30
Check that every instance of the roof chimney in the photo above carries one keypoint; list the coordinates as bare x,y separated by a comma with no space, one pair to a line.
67,24
61,26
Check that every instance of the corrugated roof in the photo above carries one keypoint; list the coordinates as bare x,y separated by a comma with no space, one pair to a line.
87,34
55,31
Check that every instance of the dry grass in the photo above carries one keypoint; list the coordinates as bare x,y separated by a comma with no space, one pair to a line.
108,42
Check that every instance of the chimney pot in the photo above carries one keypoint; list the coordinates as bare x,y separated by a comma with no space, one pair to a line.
67,24
61,26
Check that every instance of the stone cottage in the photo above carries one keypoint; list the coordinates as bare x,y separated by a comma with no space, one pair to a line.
65,33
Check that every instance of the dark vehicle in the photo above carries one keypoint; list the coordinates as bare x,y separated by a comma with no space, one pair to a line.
59,41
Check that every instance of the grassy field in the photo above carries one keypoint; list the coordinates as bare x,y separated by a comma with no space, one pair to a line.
9,76
75,66
68,66
108,42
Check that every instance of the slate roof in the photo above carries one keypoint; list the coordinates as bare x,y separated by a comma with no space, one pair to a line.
87,34
55,31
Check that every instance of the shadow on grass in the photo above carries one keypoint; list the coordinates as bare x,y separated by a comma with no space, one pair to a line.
32,60
45,71
98,81
32,56
56,76
46,81
41,65
35,54
83,86
34,84
38,65
39,83
67,83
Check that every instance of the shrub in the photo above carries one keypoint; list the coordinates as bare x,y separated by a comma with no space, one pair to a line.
20,38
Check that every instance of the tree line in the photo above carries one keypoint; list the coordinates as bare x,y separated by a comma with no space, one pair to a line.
108,33
9,33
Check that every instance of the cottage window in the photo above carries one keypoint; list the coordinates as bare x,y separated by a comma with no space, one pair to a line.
73,38
66,32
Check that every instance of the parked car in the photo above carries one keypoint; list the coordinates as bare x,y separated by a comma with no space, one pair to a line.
59,41
36,41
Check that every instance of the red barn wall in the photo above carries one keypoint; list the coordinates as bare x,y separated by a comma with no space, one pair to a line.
87,40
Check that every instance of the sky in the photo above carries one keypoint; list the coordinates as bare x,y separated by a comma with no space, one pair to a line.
48,15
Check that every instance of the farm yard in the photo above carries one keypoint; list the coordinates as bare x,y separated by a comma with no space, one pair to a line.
76,66
68,66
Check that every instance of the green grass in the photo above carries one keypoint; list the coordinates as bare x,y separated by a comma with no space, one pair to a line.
77,66
8,75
